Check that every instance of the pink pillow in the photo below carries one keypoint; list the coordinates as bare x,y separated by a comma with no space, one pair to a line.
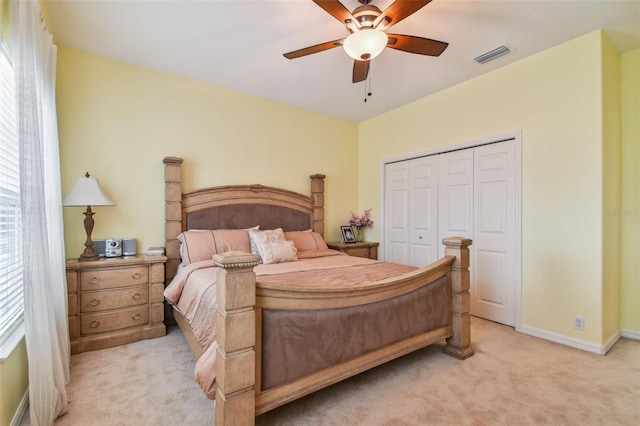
201,244
306,240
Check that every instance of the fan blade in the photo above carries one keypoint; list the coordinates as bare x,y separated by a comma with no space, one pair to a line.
313,49
336,9
419,45
400,9
360,70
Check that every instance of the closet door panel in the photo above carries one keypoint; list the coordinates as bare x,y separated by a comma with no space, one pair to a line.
423,217
455,196
397,212
493,276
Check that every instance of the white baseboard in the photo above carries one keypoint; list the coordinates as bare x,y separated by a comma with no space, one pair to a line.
570,341
22,409
630,334
611,341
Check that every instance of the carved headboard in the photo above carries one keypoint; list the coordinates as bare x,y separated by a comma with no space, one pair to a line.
235,207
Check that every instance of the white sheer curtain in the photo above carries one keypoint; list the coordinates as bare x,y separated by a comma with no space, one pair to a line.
45,286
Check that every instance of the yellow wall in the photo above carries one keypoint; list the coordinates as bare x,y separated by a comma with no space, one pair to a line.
611,151
4,5
4,20
555,98
630,209
14,380
118,121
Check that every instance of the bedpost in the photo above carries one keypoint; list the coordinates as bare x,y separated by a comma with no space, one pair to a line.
317,193
172,213
172,220
236,331
459,345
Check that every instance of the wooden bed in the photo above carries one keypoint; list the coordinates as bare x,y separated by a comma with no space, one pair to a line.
243,302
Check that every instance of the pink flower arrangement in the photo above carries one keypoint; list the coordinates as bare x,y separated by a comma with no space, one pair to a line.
363,221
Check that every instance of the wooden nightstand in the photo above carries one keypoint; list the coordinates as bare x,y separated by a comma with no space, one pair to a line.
113,301
367,249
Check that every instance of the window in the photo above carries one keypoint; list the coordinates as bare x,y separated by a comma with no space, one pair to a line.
11,288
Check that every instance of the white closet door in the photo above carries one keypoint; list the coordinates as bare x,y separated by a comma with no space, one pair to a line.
469,193
423,215
493,249
455,196
396,212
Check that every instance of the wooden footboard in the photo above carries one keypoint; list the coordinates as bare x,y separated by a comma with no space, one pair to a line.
241,300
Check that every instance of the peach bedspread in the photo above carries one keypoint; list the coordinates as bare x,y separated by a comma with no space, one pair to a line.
193,292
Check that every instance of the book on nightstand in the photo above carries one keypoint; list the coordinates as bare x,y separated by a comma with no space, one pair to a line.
155,251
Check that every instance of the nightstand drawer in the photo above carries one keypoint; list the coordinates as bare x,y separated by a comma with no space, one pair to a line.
103,279
367,249
95,301
98,323
359,252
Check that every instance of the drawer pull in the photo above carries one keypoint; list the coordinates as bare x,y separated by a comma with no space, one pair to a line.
94,324
95,302
136,296
95,280
137,276
135,316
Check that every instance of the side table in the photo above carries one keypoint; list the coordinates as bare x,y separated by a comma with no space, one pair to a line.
368,249
113,301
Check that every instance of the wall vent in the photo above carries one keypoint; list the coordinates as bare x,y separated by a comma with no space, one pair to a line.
493,54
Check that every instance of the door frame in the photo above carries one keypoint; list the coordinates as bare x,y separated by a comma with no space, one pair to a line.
516,136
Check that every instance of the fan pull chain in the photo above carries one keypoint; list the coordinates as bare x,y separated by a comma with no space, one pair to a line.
367,92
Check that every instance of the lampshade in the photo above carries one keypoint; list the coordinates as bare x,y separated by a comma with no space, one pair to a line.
87,192
365,44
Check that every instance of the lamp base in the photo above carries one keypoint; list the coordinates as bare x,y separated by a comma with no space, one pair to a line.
89,252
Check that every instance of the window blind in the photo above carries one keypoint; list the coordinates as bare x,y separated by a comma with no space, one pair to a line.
11,288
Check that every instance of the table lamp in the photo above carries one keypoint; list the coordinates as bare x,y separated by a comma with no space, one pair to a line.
87,192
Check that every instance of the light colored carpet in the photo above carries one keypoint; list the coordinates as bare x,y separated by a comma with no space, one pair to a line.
513,379
143,383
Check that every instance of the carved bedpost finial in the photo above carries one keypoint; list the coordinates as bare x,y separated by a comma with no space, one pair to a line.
459,345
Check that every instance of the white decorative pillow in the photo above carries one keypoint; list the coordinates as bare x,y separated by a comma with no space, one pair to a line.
259,238
278,252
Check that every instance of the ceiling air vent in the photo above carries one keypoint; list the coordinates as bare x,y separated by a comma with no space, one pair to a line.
493,54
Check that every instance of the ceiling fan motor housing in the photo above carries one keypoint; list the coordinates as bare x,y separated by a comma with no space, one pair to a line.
366,15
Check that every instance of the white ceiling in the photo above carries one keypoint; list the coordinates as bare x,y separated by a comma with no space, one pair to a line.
238,44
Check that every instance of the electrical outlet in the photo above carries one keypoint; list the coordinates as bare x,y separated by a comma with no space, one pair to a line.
578,323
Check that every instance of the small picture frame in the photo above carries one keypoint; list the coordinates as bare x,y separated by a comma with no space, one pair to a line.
347,234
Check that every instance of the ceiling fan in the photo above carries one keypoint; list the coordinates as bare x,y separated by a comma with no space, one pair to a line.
367,38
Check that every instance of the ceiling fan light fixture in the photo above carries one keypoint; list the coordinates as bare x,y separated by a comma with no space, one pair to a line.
365,44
